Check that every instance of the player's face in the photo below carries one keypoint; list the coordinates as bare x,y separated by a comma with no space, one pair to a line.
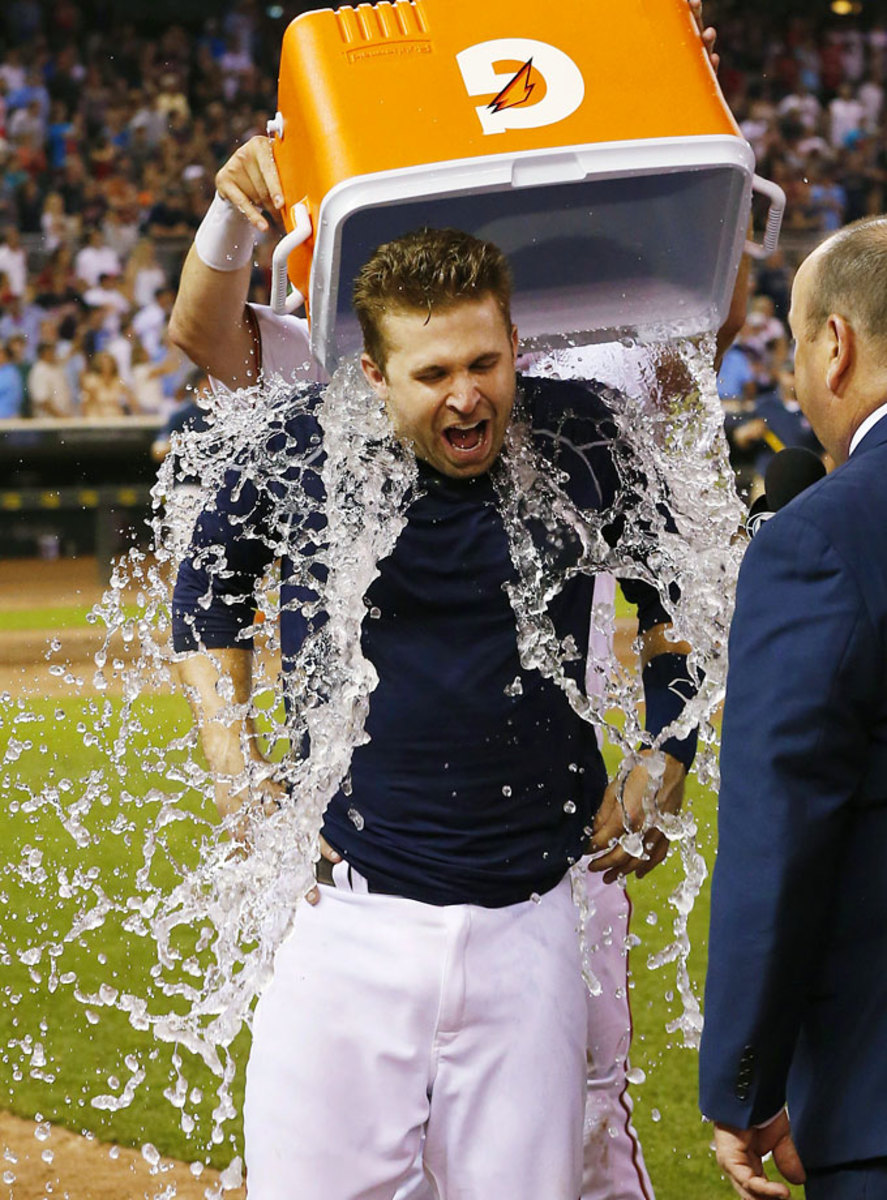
448,383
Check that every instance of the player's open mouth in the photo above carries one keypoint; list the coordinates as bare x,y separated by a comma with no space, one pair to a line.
467,439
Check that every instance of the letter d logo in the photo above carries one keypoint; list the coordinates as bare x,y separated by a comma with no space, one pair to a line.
513,106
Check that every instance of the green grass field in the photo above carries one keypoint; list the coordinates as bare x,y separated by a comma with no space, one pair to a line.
85,1048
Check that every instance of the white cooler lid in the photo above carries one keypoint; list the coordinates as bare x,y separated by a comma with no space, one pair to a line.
632,239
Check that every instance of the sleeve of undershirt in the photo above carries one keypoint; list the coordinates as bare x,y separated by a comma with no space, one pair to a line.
214,601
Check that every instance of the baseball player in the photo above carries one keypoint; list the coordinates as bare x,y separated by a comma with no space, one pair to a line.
425,988
238,343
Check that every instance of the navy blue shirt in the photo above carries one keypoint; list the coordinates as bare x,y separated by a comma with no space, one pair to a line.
470,790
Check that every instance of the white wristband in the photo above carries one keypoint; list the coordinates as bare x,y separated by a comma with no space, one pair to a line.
225,238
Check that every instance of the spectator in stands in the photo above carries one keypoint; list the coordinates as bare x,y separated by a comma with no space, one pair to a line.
56,226
143,276
120,228
108,295
171,217
95,259
104,395
764,340
56,286
73,186
12,392
860,178
828,200
48,386
27,124
121,346
736,378
22,316
150,378
151,321
846,117
803,106
73,356
29,206
871,97
14,260
17,348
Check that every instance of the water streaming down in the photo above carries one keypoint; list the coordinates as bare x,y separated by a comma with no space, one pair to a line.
212,916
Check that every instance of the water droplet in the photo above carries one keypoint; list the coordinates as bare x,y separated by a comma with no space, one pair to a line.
150,1154
569,806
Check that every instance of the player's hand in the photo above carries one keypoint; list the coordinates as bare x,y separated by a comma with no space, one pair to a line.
623,812
248,800
249,180
330,855
708,33
740,1154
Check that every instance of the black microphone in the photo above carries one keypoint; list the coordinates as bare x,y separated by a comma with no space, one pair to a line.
788,474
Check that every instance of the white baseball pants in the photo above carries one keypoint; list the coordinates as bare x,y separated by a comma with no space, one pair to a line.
386,1017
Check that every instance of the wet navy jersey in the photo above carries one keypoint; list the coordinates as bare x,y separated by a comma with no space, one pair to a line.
479,782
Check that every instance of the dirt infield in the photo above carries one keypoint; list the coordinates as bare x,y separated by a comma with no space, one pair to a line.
60,1165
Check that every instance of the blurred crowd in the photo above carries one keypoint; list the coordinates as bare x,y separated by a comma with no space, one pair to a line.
111,133
810,100
110,137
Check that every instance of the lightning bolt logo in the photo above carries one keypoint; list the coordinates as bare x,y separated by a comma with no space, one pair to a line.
517,91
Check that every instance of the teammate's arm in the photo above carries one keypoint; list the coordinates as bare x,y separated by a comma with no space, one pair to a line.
218,684
210,320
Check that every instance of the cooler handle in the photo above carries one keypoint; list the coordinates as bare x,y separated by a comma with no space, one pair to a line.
281,303
776,196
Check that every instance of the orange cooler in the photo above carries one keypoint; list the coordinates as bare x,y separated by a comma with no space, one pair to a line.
590,141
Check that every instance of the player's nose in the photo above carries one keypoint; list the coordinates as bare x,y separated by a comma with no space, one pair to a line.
464,396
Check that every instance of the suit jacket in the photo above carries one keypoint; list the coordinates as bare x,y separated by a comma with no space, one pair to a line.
796,995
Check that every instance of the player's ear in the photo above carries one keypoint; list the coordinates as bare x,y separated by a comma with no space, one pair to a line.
374,376
841,351
514,341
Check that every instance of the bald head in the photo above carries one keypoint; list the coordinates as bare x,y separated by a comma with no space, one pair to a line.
839,320
848,276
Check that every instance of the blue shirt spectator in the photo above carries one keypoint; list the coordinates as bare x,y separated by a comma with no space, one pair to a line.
12,391
736,377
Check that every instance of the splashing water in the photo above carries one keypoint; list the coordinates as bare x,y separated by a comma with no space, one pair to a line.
668,412
211,918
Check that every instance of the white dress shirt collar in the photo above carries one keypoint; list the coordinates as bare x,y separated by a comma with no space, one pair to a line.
869,423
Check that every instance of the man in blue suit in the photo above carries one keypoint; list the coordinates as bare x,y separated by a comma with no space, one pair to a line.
796,996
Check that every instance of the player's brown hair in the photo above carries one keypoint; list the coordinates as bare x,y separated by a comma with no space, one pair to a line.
851,279
425,271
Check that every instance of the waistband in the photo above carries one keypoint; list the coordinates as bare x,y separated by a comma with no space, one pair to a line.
340,875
